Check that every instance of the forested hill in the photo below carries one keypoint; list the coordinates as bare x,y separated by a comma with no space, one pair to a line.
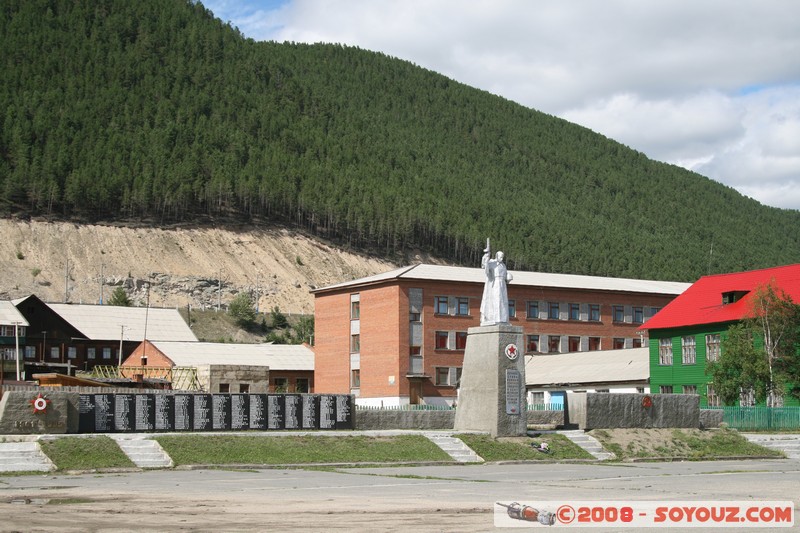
155,110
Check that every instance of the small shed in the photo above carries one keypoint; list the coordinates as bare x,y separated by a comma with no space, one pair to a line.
224,367
549,377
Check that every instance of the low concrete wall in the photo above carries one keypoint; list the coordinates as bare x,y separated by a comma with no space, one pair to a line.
546,418
609,411
394,419
20,413
710,418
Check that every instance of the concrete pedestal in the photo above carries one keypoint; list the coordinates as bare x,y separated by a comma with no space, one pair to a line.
492,392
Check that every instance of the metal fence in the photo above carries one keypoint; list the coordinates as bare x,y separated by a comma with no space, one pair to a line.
545,407
761,418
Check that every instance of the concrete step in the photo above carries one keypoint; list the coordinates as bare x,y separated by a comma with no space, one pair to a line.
23,457
788,444
455,448
143,452
588,443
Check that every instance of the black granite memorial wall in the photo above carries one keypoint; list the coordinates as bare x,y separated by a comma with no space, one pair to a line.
121,413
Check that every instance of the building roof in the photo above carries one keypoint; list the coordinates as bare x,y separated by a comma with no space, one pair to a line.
105,322
521,278
702,302
10,315
578,368
274,356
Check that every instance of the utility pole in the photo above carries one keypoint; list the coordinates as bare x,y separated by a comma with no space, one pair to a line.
16,341
102,281
258,288
66,282
219,291
121,336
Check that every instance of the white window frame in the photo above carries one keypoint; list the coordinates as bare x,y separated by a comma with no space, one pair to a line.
665,351
689,350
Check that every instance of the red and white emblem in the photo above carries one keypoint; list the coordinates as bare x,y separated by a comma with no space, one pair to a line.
40,404
511,351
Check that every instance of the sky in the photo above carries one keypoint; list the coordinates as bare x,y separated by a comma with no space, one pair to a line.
709,85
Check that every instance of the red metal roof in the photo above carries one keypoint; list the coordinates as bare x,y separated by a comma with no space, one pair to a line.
702,302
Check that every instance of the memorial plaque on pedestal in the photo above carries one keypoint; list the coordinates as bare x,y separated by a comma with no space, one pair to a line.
103,413
86,413
124,412
327,411
276,410
221,412
344,412
164,412
240,411
258,411
184,412
310,413
201,421
145,412
293,411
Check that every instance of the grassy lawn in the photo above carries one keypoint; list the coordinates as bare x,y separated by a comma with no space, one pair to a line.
519,448
77,453
682,443
225,449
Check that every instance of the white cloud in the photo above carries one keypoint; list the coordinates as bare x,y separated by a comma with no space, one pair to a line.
711,85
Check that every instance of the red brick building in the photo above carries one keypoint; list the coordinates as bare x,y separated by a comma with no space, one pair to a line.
399,337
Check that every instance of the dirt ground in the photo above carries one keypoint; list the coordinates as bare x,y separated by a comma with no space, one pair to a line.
61,261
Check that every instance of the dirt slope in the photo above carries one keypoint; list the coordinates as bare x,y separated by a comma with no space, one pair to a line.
182,265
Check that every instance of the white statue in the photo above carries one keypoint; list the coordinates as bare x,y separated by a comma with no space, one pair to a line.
494,305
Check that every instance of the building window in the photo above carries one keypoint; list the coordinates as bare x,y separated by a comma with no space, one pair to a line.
461,340
665,389
574,311
30,352
603,390
90,353
536,398
712,400
355,378
747,398
638,315
533,343
72,352
355,343
533,310
244,388
690,389
594,344
301,385
618,313
636,342
552,310
462,306
640,390
440,305
688,350
106,353
414,317
554,344
574,344
448,376
280,384
618,343
665,352
512,309
355,310
415,350
54,352
594,312
224,388
712,347
441,340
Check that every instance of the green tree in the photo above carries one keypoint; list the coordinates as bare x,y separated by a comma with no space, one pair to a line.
760,354
242,310
279,320
304,329
120,298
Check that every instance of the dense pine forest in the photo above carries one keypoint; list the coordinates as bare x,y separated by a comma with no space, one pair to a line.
155,111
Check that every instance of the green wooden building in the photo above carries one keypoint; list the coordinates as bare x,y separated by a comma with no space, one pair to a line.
687,333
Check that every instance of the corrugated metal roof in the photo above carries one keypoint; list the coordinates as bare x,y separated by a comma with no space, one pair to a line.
9,314
103,322
608,366
521,278
275,356
702,302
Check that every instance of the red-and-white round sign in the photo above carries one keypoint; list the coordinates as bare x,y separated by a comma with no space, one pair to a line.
511,351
